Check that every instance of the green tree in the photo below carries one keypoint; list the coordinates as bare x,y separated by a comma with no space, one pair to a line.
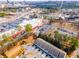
3,14
18,27
28,28
57,36
74,43
58,39
77,56
65,37
6,38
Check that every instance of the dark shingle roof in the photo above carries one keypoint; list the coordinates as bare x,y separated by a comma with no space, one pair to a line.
50,49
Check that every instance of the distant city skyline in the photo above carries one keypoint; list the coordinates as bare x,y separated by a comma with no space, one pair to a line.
40,0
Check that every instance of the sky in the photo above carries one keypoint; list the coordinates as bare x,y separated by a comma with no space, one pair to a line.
40,0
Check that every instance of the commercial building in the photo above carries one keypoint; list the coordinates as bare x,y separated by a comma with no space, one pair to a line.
34,22
14,32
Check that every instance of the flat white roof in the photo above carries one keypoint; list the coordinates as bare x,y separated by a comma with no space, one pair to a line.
33,22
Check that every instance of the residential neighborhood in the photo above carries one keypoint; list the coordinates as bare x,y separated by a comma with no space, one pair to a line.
29,30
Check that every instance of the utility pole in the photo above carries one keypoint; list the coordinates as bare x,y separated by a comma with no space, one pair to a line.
24,2
7,1
61,4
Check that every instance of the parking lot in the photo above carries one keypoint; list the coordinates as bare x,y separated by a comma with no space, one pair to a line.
34,52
